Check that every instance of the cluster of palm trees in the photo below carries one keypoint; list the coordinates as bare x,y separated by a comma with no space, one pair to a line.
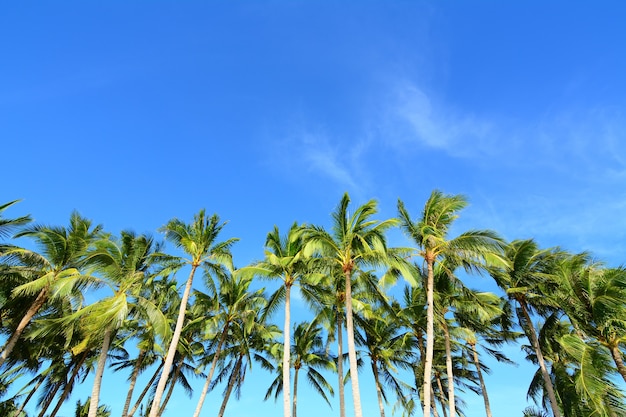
82,301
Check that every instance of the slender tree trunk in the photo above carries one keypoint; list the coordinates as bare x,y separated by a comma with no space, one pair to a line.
542,365
133,381
171,352
617,358
48,401
97,383
70,384
483,387
354,372
145,391
231,383
177,369
295,389
430,335
207,382
434,403
30,395
449,371
287,352
41,299
442,399
419,369
379,393
342,396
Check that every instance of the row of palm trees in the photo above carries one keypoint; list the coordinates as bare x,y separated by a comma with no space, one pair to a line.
84,298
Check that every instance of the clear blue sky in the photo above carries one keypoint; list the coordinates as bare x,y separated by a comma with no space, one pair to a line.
266,112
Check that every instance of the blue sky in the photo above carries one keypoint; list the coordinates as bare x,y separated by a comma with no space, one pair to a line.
266,112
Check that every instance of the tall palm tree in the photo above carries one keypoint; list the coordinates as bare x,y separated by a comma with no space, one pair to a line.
524,277
54,272
285,260
236,304
469,250
356,241
391,348
199,241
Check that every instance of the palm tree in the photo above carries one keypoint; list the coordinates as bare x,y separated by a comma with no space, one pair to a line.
199,241
309,353
469,250
356,241
7,226
390,347
285,260
524,277
54,272
235,303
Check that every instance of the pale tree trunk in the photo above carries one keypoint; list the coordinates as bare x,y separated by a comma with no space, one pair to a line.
41,299
231,383
287,352
295,390
342,396
69,385
97,383
379,393
30,395
434,404
145,391
449,371
207,382
483,387
430,335
442,399
542,365
133,381
354,372
177,369
171,352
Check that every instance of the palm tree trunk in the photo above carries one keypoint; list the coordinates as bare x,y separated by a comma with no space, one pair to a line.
542,365
287,353
617,358
442,399
295,390
41,299
145,391
430,335
133,381
379,393
177,369
97,383
30,395
342,396
231,383
171,352
483,387
449,371
48,401
354,372
207,382
434,403
70,383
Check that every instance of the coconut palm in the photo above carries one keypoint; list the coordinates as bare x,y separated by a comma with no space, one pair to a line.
285,260
199,241
525,277
236,302
391,348
8,226
356,241
469,250
52,273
